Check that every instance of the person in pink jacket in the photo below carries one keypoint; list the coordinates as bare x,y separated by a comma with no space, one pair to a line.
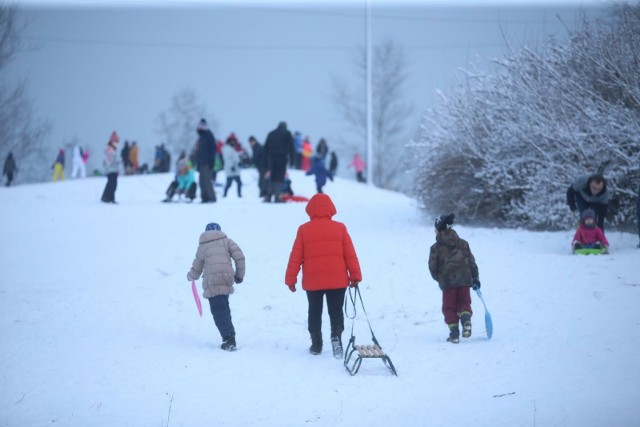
358,164
588,234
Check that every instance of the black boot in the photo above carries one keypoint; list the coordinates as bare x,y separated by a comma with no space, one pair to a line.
229,343
454,334
465,319
316,343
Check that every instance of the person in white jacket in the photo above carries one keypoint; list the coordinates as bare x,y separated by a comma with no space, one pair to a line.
231,160
79,168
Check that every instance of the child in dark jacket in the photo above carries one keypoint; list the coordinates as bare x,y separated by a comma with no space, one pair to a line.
213,257
588,234
320,171
453,266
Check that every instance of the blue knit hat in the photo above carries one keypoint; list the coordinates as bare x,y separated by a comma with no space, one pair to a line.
213,226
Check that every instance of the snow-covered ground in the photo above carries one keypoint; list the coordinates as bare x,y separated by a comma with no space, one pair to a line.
99,327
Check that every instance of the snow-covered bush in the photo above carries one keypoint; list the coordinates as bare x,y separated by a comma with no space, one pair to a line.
503,148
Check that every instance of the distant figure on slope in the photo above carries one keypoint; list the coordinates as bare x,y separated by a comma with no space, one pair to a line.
320,171
333,163
322,150
9,168
213,257
307,153
589,235
79,169
231,160
133,157
111,164
358,164
453,266
279,151
325,252
185,181
205,161
58,166
589,192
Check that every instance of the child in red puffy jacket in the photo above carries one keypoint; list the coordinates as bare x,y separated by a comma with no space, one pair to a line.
324,251
588,234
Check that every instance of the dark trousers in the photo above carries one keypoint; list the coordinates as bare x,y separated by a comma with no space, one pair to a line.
221,312
207,193
454,302
109,193
274,189
262,182
9,178
335,298
230,180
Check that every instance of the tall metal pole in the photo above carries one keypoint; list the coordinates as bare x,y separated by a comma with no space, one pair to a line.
369,83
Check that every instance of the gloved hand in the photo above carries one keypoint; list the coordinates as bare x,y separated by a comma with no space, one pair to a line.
353,283
292,288
476,284
238,279
189,277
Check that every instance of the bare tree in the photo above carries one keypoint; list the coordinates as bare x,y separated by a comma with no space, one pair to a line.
20,132
390,110
177,125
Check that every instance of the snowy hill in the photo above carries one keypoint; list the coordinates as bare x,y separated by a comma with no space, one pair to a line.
99,327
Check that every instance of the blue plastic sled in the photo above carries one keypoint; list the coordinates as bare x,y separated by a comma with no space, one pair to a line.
488,323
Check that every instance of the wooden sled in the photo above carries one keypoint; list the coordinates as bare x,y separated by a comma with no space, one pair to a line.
365,352
371,351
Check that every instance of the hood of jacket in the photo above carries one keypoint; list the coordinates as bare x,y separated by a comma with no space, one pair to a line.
447,237
211,235
320,206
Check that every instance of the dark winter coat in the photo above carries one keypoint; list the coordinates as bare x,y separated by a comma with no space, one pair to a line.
207,148
581,187
258,157
213,257
451,262
320,171
279,150
9,165
324,250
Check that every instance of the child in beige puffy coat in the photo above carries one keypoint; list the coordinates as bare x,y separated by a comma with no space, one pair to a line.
213,257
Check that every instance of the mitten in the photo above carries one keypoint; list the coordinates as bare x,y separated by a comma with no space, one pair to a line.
476,284
238,279
353,283
292,288
189,277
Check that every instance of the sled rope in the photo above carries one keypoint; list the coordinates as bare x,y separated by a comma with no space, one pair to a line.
363,351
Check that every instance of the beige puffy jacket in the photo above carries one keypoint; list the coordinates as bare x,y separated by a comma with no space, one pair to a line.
213,256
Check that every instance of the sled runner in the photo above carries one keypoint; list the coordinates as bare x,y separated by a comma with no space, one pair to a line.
370,351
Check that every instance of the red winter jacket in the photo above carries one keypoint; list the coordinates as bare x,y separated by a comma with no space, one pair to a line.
588,236
323,249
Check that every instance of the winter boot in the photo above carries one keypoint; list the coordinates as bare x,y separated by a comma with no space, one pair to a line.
229,343
465,319
336,345
454,334
316,343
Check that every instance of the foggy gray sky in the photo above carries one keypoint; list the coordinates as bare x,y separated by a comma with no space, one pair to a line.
92,70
